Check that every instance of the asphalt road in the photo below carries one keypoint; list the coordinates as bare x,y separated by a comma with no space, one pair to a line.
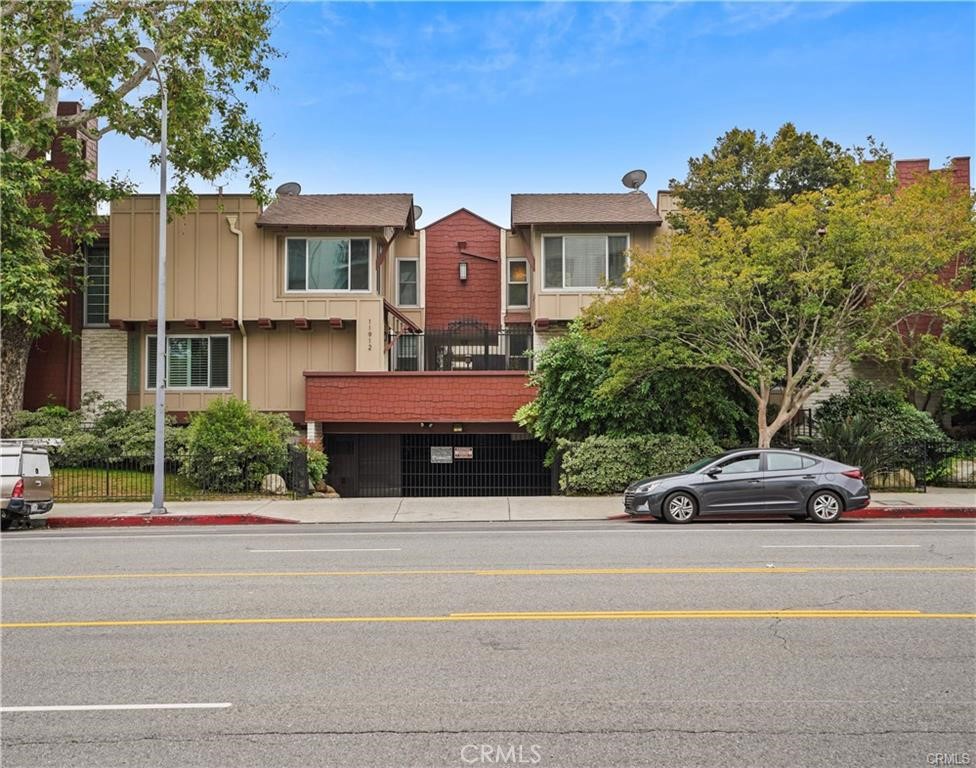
569,645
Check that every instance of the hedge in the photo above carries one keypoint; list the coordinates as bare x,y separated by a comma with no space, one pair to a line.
604,465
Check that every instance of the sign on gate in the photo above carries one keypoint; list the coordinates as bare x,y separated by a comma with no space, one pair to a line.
463,453
441,454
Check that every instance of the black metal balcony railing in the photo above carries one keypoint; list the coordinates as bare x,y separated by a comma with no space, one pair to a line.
461,348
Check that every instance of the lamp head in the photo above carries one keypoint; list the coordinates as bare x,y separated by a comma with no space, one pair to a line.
148,55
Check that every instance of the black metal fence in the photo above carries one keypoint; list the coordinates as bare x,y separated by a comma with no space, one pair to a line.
909,466
132,480
462,348
918,465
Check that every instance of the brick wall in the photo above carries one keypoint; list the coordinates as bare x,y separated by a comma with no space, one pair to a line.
467,396
447,299
104,362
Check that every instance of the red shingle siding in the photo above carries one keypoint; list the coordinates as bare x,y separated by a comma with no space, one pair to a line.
478,298
438,397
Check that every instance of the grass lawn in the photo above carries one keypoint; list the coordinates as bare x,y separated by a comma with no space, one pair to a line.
100,484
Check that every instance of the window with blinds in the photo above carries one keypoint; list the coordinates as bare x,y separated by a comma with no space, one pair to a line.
192,362
584,261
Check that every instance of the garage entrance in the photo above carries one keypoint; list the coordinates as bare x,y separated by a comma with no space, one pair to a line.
438,465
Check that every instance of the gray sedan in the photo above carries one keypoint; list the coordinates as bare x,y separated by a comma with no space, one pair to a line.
752,481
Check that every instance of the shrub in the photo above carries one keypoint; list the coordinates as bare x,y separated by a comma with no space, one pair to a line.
901,426
231,447
101,430
601,465
133,440
318,462
81,446
854,440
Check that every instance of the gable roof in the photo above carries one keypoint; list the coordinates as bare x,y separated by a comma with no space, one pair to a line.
339,211
584,208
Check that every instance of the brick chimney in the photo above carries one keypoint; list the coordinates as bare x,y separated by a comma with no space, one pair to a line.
907,171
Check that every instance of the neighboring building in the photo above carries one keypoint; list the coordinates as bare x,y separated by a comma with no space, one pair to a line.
405,351
905,172
56,373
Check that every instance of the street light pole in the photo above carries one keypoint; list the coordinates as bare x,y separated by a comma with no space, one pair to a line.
159,449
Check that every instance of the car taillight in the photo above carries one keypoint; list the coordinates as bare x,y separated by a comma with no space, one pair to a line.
18,491
855,473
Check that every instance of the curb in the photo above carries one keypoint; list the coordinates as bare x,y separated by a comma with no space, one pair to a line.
866,513
121,521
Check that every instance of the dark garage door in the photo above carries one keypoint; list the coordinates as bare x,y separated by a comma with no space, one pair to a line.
437,465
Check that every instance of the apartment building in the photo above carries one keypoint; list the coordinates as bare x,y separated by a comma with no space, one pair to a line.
405,349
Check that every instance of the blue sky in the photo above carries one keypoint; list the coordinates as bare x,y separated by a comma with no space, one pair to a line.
464,103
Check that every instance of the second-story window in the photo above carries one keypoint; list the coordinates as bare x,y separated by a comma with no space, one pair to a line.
518,283
407,282
96,286
584,261
327,264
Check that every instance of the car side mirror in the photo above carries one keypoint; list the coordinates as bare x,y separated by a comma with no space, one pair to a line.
714,472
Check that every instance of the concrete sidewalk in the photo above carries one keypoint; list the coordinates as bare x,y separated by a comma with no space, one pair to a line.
945,501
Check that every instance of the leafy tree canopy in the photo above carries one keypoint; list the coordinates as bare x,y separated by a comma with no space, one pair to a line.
579,397
212,53
805,285
746,171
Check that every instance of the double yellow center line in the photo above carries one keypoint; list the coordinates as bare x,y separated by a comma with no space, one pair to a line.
506,616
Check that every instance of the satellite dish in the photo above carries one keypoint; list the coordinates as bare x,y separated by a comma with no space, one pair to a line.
417,212
634,179
289,188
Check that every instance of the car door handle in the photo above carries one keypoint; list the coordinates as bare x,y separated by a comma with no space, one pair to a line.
38,482
755,482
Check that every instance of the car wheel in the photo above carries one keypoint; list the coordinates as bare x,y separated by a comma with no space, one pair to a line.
825,507
680,508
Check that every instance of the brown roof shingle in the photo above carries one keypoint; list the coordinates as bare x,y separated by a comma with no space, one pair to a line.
346,210
584,208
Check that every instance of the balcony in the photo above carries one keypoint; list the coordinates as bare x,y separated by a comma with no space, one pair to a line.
461,347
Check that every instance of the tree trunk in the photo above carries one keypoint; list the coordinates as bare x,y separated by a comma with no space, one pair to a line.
15,345
762,423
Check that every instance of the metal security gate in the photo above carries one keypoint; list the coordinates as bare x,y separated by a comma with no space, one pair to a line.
474,465
438,465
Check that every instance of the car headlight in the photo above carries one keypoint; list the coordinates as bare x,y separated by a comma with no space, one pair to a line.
647,487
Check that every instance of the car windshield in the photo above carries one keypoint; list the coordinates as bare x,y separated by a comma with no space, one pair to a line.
700,464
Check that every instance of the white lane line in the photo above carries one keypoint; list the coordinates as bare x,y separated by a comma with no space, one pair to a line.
841,546
106,707
628,531
396,549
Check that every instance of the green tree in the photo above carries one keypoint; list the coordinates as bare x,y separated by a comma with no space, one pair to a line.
580,396
212,54
746,171
806,285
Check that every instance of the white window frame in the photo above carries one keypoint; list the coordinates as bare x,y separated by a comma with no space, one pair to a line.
416,261
171,337
337,291
606,261
84,309
527,283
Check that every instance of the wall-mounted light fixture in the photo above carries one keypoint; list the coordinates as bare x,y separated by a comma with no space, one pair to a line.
463,271
457,428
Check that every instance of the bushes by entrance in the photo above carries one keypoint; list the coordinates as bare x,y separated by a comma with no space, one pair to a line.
603,465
